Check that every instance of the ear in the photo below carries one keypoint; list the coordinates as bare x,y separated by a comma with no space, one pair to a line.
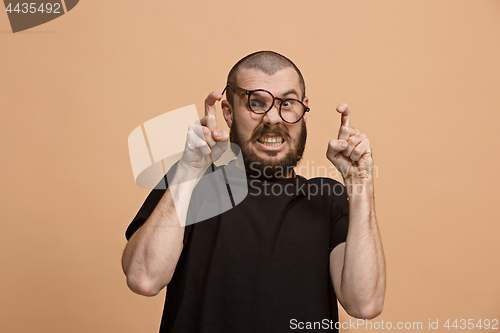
306,103
227,112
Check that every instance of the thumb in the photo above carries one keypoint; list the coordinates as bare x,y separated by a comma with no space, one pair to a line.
220,135
337,146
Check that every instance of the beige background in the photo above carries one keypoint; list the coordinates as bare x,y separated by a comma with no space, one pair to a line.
422,78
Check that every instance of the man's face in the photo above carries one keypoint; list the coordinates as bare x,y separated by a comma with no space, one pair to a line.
270,146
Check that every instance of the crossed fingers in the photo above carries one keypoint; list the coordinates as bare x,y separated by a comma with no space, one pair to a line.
357,143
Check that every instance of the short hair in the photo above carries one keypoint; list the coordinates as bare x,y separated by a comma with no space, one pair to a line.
268,62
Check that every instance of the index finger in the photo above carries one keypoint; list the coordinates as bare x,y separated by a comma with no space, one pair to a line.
210,103
343,108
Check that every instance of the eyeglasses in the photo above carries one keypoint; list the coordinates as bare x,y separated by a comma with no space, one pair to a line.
261,101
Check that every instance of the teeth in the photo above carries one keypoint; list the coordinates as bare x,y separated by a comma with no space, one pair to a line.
271,141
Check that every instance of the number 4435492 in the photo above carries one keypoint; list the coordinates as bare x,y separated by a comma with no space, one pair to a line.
32,8
472,324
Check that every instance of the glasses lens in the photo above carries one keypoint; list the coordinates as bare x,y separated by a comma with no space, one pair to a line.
291,110
260,101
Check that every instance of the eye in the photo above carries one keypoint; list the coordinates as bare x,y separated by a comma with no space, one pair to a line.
256,104
287,104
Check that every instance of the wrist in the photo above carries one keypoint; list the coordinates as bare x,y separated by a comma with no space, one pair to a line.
359,186
360,179
186,172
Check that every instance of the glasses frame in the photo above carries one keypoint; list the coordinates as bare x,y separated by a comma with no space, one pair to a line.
250,92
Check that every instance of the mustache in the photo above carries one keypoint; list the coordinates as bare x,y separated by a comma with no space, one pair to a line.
265,129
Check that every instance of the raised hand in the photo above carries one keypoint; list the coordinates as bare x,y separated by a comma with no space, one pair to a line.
351,153
205,143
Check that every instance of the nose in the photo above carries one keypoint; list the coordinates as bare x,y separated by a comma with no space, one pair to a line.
272,117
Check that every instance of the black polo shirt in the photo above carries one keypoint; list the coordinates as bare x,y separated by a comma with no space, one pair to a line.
261,266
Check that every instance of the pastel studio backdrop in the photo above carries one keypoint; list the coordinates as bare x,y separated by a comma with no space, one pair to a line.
422,78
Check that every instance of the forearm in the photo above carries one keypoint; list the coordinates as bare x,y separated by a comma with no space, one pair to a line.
152,253
363,274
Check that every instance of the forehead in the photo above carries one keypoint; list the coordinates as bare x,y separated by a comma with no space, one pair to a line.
281,81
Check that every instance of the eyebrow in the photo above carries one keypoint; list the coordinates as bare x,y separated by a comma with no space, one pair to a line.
289,92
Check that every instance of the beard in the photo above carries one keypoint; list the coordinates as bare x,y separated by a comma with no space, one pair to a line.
272,167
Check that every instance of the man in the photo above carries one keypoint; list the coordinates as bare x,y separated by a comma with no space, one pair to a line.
277,261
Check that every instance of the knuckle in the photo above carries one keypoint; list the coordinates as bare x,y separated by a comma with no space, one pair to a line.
343,130
194,127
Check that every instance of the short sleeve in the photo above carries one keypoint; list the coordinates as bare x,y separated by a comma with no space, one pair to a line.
150,203
340,217
147,207
154,198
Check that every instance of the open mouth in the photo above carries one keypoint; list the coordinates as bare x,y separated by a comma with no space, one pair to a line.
272,141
